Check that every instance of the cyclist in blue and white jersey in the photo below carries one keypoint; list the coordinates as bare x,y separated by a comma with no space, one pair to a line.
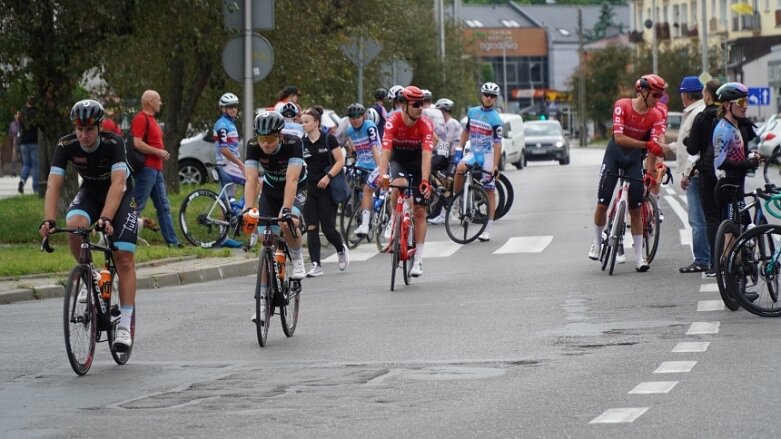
364,140
292,127
484,132
226,142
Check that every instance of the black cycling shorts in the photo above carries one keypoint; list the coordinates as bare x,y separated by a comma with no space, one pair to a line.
631,161
89,204
271,200
411,172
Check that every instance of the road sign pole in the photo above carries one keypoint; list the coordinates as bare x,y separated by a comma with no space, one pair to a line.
248,95
360,70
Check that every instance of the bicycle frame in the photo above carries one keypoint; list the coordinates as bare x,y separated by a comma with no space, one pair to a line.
401,213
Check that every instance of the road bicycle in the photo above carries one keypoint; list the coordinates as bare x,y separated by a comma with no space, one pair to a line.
613,238
379,213
402,239
206,217
468,210
274,290
442,185
91,309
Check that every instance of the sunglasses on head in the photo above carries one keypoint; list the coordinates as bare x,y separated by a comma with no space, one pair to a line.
488,95
267,139
743,102
416,104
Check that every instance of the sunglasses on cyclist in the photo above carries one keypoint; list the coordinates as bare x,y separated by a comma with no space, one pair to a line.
488,95
267,139
355,115
84,123
416,104
743,102
657,95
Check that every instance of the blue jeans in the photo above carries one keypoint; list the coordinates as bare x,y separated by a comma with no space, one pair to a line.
700,244
30,163
149,183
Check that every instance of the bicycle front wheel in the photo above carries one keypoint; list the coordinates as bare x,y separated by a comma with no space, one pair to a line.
380,222
80,322
753,270
120,356
651,227
289,301
265,285
725,238
465,221
395,257
506,187
351,240
204,218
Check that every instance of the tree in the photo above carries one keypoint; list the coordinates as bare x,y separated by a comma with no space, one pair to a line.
604,23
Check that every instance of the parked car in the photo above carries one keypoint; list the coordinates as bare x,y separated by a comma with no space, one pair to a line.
545,140
769,136
513,143
194,153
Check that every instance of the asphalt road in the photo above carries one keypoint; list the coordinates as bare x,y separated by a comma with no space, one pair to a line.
520,337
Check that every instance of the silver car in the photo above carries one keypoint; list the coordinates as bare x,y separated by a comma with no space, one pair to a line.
194,153
545,140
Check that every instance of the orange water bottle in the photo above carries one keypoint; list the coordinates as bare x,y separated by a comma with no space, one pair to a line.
251,221
279,256
104,283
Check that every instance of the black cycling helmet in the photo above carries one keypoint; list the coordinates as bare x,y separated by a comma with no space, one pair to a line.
269,123
355,110
87,113
731,91
380,94
289,110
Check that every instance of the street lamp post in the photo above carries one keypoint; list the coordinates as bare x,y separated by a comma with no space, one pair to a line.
504,74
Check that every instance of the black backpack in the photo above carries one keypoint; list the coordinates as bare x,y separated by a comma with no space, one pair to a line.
135,158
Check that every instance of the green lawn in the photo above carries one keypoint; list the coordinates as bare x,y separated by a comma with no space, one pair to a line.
20,243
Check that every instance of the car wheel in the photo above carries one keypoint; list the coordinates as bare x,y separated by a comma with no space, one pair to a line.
564,161
191,172
521,161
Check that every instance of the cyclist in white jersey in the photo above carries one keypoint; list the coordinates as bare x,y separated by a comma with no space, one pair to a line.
447,149
292,127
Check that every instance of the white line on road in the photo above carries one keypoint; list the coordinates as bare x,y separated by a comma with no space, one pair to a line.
522,244
703,328
709,288
620,415
653,387
710,305
691,346
675,367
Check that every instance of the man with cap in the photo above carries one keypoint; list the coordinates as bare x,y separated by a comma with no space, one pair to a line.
691,96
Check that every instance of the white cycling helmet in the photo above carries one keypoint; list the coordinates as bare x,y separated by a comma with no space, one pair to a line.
444,104
372,115
228,100
394,92
490,88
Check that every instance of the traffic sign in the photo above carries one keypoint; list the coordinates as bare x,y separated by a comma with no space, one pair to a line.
759,96
233,58
361,51
262,14
396,72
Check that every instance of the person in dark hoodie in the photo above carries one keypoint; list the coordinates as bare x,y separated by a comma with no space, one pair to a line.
699,143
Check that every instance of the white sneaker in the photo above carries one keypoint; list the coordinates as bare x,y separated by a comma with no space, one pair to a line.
362,230
315,271
388,230
344,261
299,272
262,310
593,252
417,269
642,265
440,219
122,339
621,258
485,236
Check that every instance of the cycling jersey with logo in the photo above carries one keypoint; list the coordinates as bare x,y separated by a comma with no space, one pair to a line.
637,126
407,142
94,166
365,139
226,136
485,129
290,152
728,143
293,129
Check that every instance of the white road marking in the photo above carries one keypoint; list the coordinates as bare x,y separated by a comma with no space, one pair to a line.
522,244
685,236
703,328
669,190
440,249
691,346
653,387
683,215
675,367
620,415
363,252
709,288
710,305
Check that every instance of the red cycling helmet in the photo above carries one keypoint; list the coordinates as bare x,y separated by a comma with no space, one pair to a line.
411,94
651,82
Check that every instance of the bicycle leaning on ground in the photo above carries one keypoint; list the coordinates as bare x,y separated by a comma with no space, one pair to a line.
274,290
91,303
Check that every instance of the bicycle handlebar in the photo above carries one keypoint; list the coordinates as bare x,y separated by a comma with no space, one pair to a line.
271,220
83,232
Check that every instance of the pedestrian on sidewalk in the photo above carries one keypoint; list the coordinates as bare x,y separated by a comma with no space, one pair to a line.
148,138
28,145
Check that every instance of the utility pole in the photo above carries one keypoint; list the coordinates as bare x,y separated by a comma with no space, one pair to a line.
654,39
581,82
704,24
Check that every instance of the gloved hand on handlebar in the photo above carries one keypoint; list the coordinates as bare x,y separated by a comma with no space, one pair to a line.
425,188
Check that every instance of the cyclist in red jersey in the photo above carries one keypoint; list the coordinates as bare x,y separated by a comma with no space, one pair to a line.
407,144
637,126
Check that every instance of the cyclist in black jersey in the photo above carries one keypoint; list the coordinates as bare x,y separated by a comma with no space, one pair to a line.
105,197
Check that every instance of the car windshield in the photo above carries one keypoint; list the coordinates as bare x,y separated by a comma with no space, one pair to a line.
539,130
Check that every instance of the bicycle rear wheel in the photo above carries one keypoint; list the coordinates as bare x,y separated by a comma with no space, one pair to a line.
753,270
464,223
395,257
352,240
380,223
509,196
120,356
265,286
289,301
722,247
204,218
651,227
80,322
406,249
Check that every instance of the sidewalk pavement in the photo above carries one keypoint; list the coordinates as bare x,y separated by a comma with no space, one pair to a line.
155,274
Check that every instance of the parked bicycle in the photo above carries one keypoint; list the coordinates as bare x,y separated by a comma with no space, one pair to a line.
274,290
468,210
206,217
91,309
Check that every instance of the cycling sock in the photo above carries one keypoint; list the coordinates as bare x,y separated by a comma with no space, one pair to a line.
126,316
295,253
488,226
638,242
598,234
366,216
419,252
